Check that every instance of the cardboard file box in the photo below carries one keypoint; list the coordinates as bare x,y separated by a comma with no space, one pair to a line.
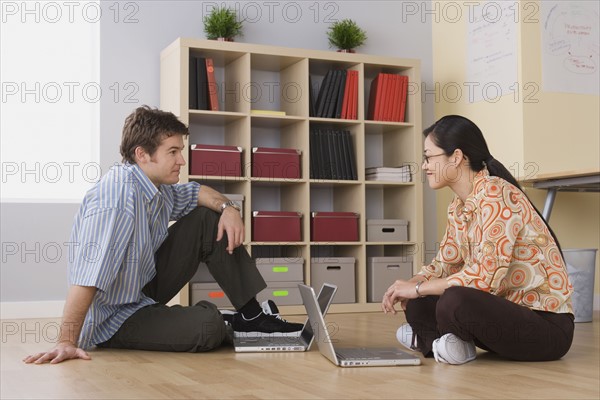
281,269
383,271
282,293
387,230
210,292
334,226
270,162
338,271
276,226
208,160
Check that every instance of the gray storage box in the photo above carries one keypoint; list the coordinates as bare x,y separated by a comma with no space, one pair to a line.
387,230
281,269
282,293
202,274
338,271
209,292
383,271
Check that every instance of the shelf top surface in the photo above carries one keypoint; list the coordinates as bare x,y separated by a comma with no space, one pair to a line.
265,50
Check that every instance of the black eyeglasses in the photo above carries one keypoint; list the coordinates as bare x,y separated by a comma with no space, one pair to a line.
426,157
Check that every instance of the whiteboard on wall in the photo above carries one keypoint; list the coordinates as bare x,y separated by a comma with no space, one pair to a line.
49,125
492,67
570,46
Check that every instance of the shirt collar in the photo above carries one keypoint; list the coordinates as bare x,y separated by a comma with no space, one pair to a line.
148,188
464,211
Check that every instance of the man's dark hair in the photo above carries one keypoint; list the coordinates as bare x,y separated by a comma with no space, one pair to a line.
147,127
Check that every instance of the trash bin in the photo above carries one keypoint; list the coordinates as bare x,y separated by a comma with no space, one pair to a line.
581,264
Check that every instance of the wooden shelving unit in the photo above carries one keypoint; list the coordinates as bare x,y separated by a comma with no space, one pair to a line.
277,78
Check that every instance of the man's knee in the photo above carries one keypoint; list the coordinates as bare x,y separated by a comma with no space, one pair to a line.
209,327
202,214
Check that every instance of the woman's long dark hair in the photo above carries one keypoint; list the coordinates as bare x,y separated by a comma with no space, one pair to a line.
455,132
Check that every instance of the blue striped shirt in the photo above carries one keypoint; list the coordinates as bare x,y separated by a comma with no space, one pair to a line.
121,223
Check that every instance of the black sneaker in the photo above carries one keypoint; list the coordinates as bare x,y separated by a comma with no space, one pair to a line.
267,323
228,316
270,308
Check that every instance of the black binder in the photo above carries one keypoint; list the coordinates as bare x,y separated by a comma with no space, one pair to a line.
202,80
340,94
312,148
342,156
311,99
331,151
193,83
325,168
320,105
351,155
332,95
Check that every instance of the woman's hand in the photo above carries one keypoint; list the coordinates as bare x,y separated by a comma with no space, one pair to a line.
401,291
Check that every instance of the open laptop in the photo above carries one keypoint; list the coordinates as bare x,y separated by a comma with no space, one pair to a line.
287,343
350,357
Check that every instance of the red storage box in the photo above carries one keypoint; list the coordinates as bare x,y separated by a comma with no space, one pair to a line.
276,226
209,160
270,162
334,226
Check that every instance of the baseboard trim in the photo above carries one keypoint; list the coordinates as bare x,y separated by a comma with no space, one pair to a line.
54,309
31,309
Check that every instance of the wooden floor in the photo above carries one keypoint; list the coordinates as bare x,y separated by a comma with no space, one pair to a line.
223,374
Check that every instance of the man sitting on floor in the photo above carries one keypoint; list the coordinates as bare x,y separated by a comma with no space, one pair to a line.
127,263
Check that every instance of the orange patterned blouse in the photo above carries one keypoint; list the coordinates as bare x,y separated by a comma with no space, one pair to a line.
497,242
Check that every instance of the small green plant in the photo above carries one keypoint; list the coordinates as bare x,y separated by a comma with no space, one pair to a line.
222,22
346,35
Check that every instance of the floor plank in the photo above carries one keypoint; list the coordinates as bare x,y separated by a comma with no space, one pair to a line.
223,374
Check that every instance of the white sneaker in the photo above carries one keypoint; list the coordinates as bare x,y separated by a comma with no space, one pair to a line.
406,337
451,349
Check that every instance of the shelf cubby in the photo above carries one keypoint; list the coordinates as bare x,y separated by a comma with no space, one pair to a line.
278,80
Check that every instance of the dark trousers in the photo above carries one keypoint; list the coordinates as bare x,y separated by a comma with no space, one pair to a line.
200,327
493,323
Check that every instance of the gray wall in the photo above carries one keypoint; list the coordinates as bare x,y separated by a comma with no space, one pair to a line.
130,59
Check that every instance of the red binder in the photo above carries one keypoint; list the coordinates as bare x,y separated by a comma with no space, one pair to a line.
403,98
396,103
213,92
347,93
375,96
354,104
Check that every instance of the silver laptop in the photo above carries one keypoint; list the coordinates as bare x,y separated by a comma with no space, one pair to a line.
287,343
350,357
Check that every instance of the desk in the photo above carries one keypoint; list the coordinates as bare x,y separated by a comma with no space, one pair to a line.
568,181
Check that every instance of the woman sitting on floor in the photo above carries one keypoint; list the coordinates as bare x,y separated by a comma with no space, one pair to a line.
499,281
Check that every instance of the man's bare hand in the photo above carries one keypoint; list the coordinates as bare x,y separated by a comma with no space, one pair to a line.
231,223
61,352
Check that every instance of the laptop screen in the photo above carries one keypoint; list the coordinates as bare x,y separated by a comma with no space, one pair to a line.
324,299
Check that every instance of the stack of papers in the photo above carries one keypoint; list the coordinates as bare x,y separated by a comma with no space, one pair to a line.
398,174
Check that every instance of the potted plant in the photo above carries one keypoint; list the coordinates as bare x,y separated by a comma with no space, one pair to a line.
222,24
346,35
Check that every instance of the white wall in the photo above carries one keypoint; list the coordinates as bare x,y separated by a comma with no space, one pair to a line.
131,40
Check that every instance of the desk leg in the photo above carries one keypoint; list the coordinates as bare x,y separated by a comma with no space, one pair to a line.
550,196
